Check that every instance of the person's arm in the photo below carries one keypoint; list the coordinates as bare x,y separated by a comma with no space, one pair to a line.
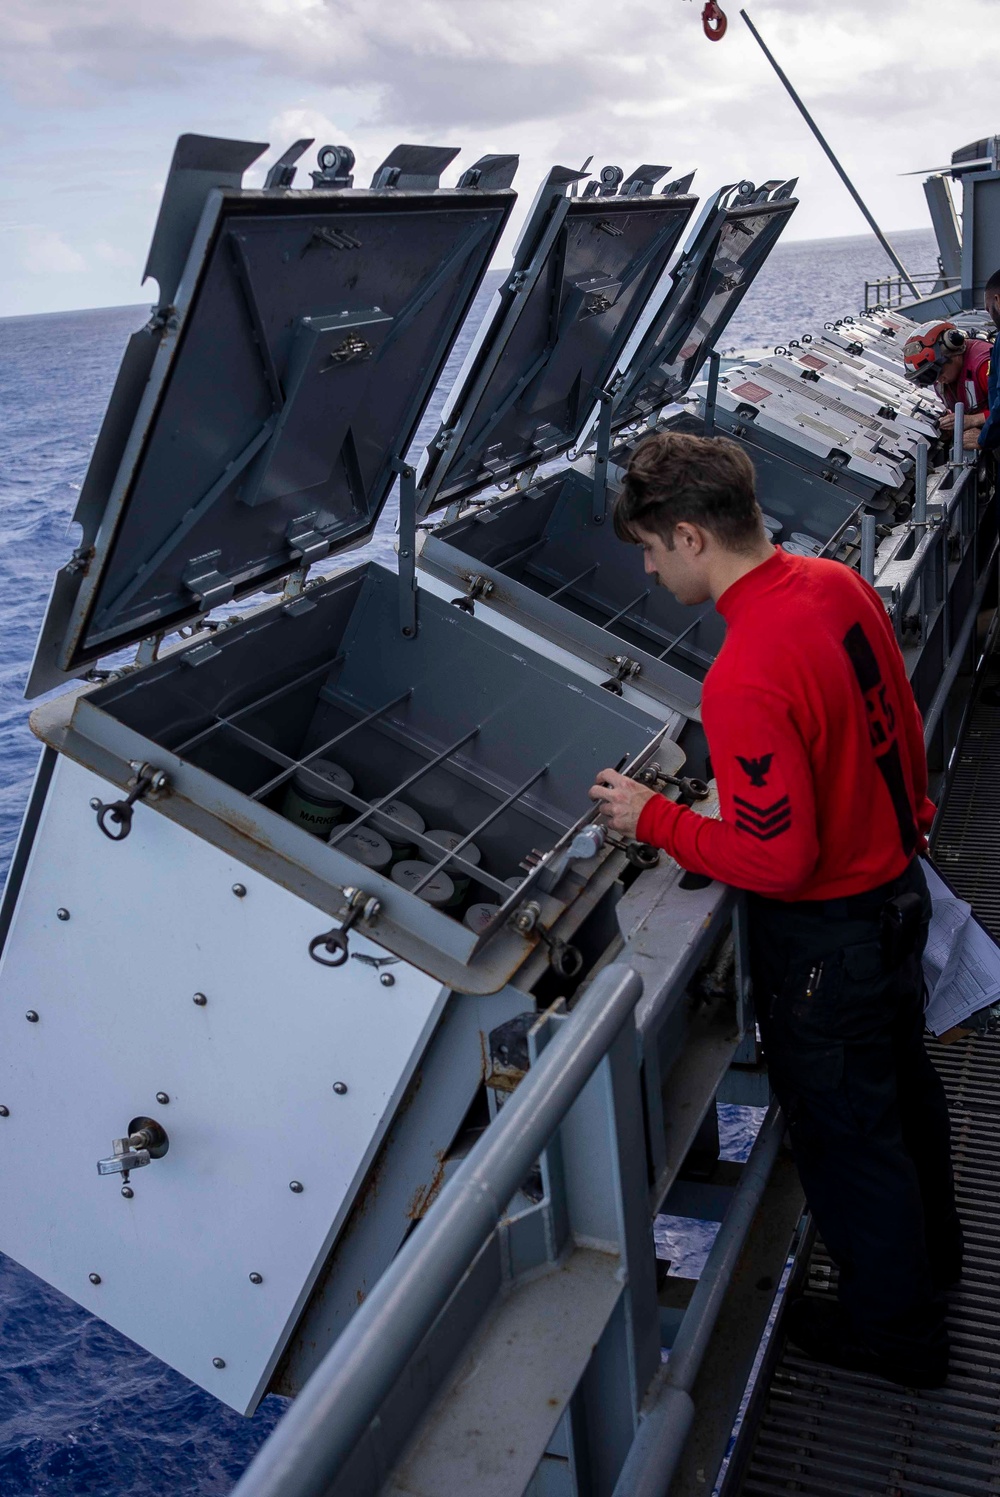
989,435
767,839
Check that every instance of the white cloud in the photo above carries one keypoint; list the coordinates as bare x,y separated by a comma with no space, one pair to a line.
113,254
47,253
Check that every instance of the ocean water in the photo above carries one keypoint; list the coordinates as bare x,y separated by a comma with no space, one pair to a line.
82,1409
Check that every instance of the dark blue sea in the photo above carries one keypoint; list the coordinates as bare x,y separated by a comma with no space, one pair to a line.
83,1410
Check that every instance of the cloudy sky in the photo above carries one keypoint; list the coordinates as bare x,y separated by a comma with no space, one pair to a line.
94,92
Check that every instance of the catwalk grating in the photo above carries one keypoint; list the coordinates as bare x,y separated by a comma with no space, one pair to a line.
967,839
822,1432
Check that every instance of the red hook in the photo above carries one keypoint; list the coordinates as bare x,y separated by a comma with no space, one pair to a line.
714,22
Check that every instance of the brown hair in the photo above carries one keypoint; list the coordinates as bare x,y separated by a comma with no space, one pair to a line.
707,481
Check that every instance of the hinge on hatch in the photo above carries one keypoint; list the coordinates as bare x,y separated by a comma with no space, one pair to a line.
407,547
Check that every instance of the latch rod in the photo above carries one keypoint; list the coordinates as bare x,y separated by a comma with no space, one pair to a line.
831,157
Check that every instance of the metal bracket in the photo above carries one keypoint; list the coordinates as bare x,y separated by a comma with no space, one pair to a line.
282,173
407,547
712,393
479,587
600,496
626,669
208,585
334,942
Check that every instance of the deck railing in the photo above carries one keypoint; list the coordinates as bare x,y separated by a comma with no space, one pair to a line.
888,293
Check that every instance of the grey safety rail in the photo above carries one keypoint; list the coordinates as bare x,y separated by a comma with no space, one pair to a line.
670,1410
306,1454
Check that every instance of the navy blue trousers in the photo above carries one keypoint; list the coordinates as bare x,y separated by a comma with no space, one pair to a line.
867,1116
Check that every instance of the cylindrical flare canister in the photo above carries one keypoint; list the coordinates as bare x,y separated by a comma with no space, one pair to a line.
402,846
311,799
470,853
478,916
438,890
366,847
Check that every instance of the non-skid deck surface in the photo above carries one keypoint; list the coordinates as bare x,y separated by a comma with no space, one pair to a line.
827,1433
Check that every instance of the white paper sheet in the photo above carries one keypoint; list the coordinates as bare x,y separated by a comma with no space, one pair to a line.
961,961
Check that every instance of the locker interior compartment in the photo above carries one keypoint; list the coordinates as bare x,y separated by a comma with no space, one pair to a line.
544,543
476,738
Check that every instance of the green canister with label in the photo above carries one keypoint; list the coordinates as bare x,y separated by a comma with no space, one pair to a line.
311,800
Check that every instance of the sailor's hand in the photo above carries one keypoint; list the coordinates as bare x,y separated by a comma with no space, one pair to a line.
621,800
970,439
946,423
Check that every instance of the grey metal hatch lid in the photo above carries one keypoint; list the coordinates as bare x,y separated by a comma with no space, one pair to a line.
259,418
583,270
730,242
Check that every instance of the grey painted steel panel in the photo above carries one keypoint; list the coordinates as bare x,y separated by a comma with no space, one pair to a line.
249,1076
405,1178
268,404
584,270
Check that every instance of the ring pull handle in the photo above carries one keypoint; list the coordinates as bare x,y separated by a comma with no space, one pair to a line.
115,817
564,959
334,943
641,855
479,587
331,948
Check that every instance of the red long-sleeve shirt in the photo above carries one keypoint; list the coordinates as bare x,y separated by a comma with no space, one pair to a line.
816,742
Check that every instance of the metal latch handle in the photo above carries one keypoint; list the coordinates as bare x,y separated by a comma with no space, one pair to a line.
564,959
334,942
118,813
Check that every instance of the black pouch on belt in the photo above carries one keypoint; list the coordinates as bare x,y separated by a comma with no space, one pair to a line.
899,928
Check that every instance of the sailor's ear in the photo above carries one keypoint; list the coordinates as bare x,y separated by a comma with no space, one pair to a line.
689,538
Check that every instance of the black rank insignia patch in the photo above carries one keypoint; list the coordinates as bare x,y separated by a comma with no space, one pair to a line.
756,769
763,822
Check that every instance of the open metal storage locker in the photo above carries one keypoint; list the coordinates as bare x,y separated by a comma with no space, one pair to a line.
539,550
172,927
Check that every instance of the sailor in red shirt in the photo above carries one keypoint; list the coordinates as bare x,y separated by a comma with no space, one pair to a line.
958,366
817,749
